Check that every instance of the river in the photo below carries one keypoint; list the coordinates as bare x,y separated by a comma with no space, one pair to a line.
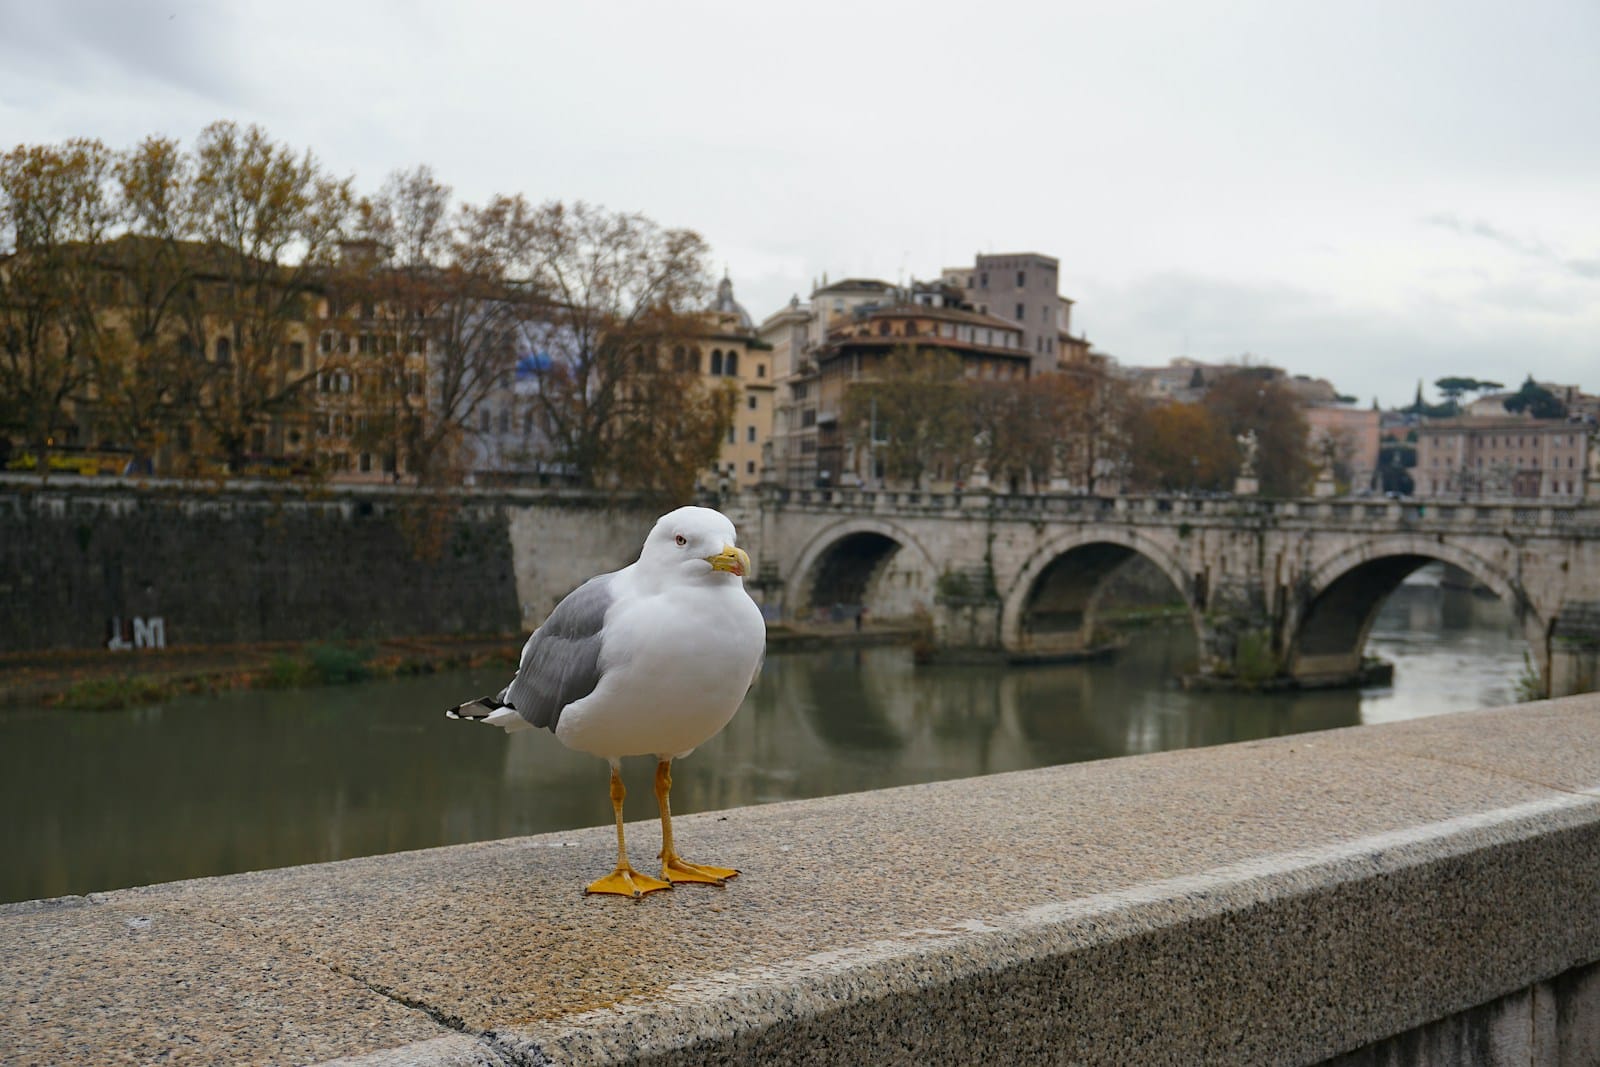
255,779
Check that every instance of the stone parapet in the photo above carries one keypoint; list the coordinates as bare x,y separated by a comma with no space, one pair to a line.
1284,901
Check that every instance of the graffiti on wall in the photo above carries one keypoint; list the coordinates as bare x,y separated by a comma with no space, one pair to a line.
136,633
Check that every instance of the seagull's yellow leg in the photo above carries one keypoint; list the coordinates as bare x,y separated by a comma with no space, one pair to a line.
675,868
624,881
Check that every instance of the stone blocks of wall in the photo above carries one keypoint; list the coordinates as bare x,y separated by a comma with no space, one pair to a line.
244,566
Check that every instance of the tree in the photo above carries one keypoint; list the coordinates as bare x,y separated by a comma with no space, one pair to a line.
56,212
1180,447
913,416
1449,409
1537,401
1453,388
1395,460
269,222
1014,425
1094,408
609,296
671,426
396,291
1251,399
149,373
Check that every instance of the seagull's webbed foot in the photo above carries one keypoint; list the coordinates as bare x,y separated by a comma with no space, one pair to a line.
675,869
627,882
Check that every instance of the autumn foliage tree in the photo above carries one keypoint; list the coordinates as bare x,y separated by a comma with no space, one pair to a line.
913,415
268,221
425,300
1095,408
1177,447
612,296
148,376
56,213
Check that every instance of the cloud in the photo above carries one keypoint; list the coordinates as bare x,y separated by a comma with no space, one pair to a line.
1532,248
98,46
1585,268
1364,348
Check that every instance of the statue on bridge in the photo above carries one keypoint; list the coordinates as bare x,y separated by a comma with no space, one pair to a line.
1247,483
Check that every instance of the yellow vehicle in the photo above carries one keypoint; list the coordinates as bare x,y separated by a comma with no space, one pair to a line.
84,461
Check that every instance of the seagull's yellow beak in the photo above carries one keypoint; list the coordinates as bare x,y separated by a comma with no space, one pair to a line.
730,559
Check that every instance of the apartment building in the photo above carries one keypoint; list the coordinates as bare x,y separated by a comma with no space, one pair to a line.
732,351
1501,458
794,335
989,348
1022,288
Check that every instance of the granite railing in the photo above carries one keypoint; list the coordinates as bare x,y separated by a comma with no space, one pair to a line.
1422,892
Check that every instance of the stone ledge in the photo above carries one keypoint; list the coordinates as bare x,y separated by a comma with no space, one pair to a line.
1283,901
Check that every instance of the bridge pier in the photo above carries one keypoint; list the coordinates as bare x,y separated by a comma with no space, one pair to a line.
1238,635
1575,650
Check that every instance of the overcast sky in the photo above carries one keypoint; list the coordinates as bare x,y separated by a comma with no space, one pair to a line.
1372,192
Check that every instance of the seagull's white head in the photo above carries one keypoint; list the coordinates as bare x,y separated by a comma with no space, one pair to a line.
694,542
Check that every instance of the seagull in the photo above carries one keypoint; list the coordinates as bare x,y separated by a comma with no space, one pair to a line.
650,660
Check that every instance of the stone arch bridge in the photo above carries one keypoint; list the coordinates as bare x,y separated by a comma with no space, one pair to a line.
1291,587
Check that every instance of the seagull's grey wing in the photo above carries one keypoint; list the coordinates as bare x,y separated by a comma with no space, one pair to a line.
561,661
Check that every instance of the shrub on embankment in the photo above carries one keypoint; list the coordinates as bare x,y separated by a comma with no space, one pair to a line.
320,664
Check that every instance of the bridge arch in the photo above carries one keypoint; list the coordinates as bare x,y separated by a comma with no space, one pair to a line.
1049,606
1327,624
862,561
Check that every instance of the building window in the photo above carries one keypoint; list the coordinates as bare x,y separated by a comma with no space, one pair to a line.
297,355
750,466
1022,279
224,350
731,437
799,391
761,370
327,341
808,417
731,366
983,280
716,361
1021,311
750,402
750,434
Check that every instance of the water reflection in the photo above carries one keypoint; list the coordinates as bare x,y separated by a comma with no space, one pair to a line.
247,780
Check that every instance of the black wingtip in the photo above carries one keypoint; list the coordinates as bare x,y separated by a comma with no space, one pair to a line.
483,707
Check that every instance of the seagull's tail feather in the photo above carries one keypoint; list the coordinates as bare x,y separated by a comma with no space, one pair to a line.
490,711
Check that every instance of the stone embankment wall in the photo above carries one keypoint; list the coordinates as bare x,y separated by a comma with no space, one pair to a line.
87,564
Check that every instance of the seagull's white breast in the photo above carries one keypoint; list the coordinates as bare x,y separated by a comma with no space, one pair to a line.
676,664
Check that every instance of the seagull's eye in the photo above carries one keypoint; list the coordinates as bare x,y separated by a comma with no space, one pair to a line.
682,540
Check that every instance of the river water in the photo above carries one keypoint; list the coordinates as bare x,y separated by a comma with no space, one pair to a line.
255,779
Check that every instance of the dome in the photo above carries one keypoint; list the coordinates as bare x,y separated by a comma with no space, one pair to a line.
728,305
